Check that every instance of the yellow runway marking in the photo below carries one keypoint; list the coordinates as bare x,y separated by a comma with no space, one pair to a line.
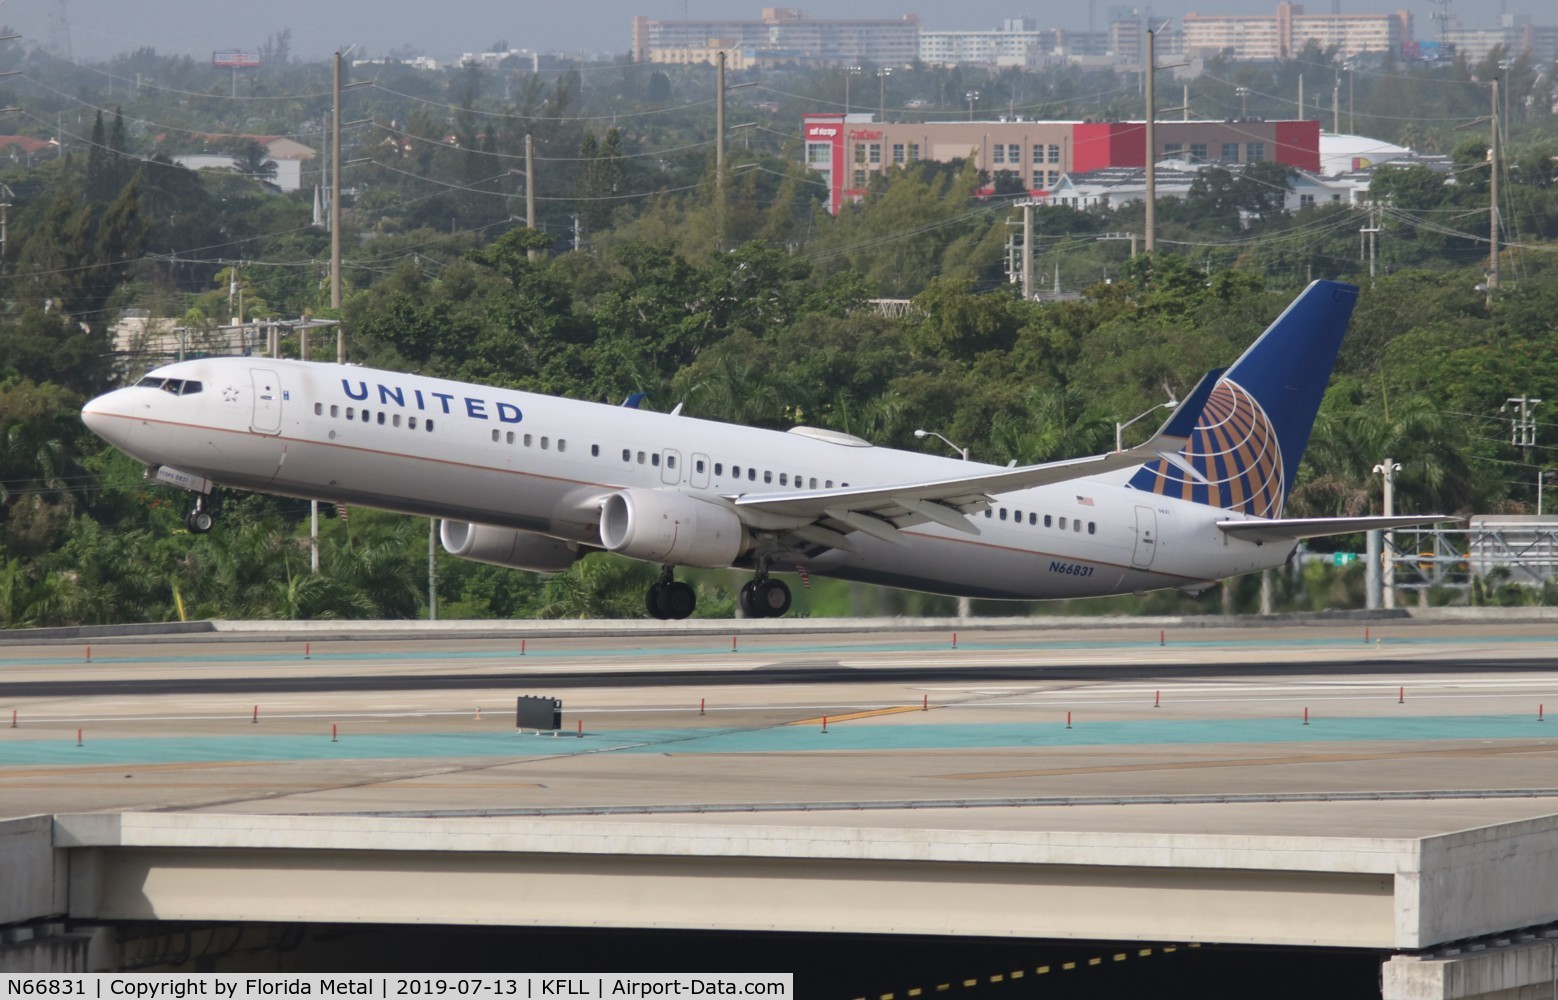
852,716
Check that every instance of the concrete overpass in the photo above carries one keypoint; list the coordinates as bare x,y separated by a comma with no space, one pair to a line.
1439,852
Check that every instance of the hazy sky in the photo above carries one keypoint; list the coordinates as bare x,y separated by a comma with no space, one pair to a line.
100,28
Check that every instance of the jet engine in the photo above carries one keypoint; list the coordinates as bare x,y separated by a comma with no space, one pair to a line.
507,547
672,528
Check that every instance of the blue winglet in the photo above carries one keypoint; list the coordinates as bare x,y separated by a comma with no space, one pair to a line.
633,400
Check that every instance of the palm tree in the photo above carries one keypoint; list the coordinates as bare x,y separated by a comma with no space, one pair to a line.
1054,424
1344,448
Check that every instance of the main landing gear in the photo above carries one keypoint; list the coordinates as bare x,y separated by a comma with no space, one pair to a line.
669,598
199,520
764,598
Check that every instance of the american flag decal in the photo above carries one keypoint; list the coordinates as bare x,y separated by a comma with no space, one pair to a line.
1235,448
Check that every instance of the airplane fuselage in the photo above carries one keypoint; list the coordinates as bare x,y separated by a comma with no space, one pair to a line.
542,464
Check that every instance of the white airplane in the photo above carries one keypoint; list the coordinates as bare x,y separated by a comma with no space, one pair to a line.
536,482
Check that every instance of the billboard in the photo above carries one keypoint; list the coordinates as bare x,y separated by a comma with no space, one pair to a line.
239,60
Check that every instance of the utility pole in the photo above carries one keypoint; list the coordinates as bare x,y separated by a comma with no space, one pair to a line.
1152,146
1522,429
1371,232
719,148
1493,201
1027,250
335,184
1301,96
1336,106
432,569
530,190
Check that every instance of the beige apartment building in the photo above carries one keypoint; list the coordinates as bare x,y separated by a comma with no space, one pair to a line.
781,33
1283,34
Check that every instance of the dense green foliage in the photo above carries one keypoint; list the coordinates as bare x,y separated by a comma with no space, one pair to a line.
756,311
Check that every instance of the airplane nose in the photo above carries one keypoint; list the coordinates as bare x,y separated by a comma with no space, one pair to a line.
107,416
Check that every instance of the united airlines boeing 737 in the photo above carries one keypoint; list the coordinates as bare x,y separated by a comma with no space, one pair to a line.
536,482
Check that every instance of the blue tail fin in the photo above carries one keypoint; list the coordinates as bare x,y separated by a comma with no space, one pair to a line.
1253,431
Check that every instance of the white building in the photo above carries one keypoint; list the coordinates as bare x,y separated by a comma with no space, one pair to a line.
288,176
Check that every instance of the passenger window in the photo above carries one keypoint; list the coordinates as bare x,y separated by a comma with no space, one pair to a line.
813,483
1003,513
768,476
783,479
545,442
595,451
751,474
366,416
1076,525
494,435
509,437
1047,521
562,445
429,425
381,418
698,465
670,461
654,460
989,512
396,421
1092,528
411,422
1033,518
719,468
319,409
1062,524
351,413
640,458
335,411
829,485
527,440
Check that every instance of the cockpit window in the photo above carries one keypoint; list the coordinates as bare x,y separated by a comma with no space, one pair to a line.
176,386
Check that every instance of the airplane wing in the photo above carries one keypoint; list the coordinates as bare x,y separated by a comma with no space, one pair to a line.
825,517
1292,529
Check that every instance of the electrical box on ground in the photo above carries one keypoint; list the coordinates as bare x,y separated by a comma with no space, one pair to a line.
539,713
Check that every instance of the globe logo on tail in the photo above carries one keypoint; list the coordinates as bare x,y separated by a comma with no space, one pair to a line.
1234,446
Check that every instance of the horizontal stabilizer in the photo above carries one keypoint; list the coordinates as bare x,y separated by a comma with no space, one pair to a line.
1292,529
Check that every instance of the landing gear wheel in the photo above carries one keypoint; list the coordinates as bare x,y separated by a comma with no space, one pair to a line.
199,521
654,602
678,599
771,598
747,602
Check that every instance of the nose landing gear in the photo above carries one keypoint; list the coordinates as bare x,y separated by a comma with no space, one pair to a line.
199,521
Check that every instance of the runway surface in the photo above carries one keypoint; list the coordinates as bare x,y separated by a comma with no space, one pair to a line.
1389,731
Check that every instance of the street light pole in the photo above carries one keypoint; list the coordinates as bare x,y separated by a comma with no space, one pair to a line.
922,434
1388,469
1119,428
973,98
965,604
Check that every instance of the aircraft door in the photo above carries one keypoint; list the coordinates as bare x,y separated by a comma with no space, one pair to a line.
268,397
699,475
1146,537
670,467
